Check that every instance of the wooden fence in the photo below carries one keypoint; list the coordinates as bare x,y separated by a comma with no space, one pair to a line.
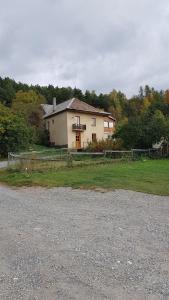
43,161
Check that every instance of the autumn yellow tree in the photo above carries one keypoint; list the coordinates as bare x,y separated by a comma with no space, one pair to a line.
145,105
116,104
166,97
28,105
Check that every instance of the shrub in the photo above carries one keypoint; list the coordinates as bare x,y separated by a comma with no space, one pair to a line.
101,145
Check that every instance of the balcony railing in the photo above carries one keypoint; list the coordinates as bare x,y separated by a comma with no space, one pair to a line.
79,127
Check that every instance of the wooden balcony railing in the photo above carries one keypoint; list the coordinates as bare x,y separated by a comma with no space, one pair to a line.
79,127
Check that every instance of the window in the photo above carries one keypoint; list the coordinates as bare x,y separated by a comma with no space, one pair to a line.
110,124
53,121
77,118
77,138
106,124
94,137
93,121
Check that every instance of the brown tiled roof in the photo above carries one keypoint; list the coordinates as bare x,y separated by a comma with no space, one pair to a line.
82,106
75,105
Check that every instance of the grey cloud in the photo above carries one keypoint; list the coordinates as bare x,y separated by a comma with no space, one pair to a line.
91,44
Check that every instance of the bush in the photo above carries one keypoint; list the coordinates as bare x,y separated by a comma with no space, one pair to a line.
101,145
42,136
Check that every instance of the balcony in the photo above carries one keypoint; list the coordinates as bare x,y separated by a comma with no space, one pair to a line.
78,127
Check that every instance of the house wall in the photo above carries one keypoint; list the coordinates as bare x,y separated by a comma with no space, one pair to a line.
109,131
86,135
58,129
61,133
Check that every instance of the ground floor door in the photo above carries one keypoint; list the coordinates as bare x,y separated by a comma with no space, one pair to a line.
94,139
78,140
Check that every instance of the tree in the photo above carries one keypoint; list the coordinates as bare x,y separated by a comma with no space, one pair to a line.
144,131
14,132
154,128
87,97
141,93
7,91
28,105
166,97
103,101
117,102
129,132
145,105
147,91
77,93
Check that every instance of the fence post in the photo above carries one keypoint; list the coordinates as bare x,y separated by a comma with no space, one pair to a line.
149,152
69,160
8,159
132,154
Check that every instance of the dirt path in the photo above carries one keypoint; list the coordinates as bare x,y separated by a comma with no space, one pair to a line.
73,244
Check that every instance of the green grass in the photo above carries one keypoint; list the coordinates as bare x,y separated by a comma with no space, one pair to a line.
151,176
43,151
36,147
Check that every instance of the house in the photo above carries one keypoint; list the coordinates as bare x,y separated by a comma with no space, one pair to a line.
74,123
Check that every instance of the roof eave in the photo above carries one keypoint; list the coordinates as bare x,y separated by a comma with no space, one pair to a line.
78,110
54,114
102,113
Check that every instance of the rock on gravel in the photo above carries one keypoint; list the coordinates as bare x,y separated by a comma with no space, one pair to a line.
75,244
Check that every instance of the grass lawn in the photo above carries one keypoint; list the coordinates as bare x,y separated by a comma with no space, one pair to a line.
36,147
150,176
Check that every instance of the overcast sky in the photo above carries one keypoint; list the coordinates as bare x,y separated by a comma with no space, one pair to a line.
91,44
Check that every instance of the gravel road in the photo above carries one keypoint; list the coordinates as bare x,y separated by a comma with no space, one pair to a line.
74,244
3,164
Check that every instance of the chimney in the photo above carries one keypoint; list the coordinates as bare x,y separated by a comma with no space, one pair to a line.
54,103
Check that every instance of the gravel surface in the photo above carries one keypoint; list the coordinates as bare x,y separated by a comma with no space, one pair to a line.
74,244
3,164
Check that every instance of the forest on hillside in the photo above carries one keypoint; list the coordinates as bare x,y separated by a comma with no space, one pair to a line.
141,120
